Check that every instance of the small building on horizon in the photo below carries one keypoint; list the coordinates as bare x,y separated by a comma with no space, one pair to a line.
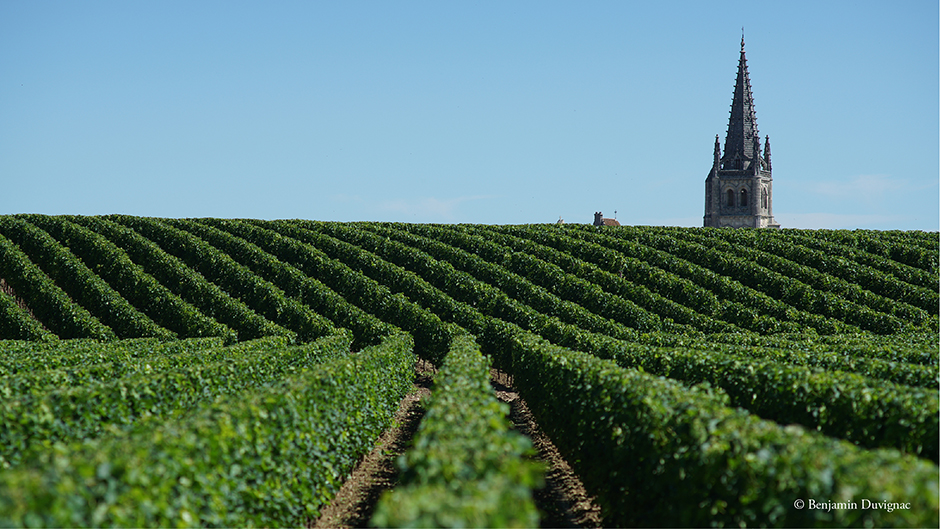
599,220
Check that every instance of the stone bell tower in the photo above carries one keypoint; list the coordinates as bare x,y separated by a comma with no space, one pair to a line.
739,188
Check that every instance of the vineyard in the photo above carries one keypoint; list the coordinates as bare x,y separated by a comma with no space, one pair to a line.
210,372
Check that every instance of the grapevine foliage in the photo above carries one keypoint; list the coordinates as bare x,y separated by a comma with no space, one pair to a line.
197,372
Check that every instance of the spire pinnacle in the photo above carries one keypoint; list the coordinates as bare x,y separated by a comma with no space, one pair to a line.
767,152
739,149
717,163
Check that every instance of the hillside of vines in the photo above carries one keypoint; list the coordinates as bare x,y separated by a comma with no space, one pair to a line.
231,372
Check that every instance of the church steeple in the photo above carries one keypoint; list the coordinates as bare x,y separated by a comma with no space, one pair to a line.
739,187
742,124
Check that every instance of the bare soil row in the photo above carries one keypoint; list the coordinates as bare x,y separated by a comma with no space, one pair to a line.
562,502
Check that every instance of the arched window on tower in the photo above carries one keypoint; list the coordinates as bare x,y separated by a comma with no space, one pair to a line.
743,197
763,198
730,198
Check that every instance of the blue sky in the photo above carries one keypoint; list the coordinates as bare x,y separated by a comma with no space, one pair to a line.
481,112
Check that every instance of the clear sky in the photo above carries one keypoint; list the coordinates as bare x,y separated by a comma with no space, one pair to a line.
456,111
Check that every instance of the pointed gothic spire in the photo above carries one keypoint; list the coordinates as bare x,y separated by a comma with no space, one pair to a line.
738,189
717,163
767,152
742,125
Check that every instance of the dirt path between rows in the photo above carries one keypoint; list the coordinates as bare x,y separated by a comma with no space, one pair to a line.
563,502
6,288
354,503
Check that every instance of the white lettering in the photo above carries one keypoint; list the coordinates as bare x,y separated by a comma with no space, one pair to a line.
829,506
851,505
887,506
